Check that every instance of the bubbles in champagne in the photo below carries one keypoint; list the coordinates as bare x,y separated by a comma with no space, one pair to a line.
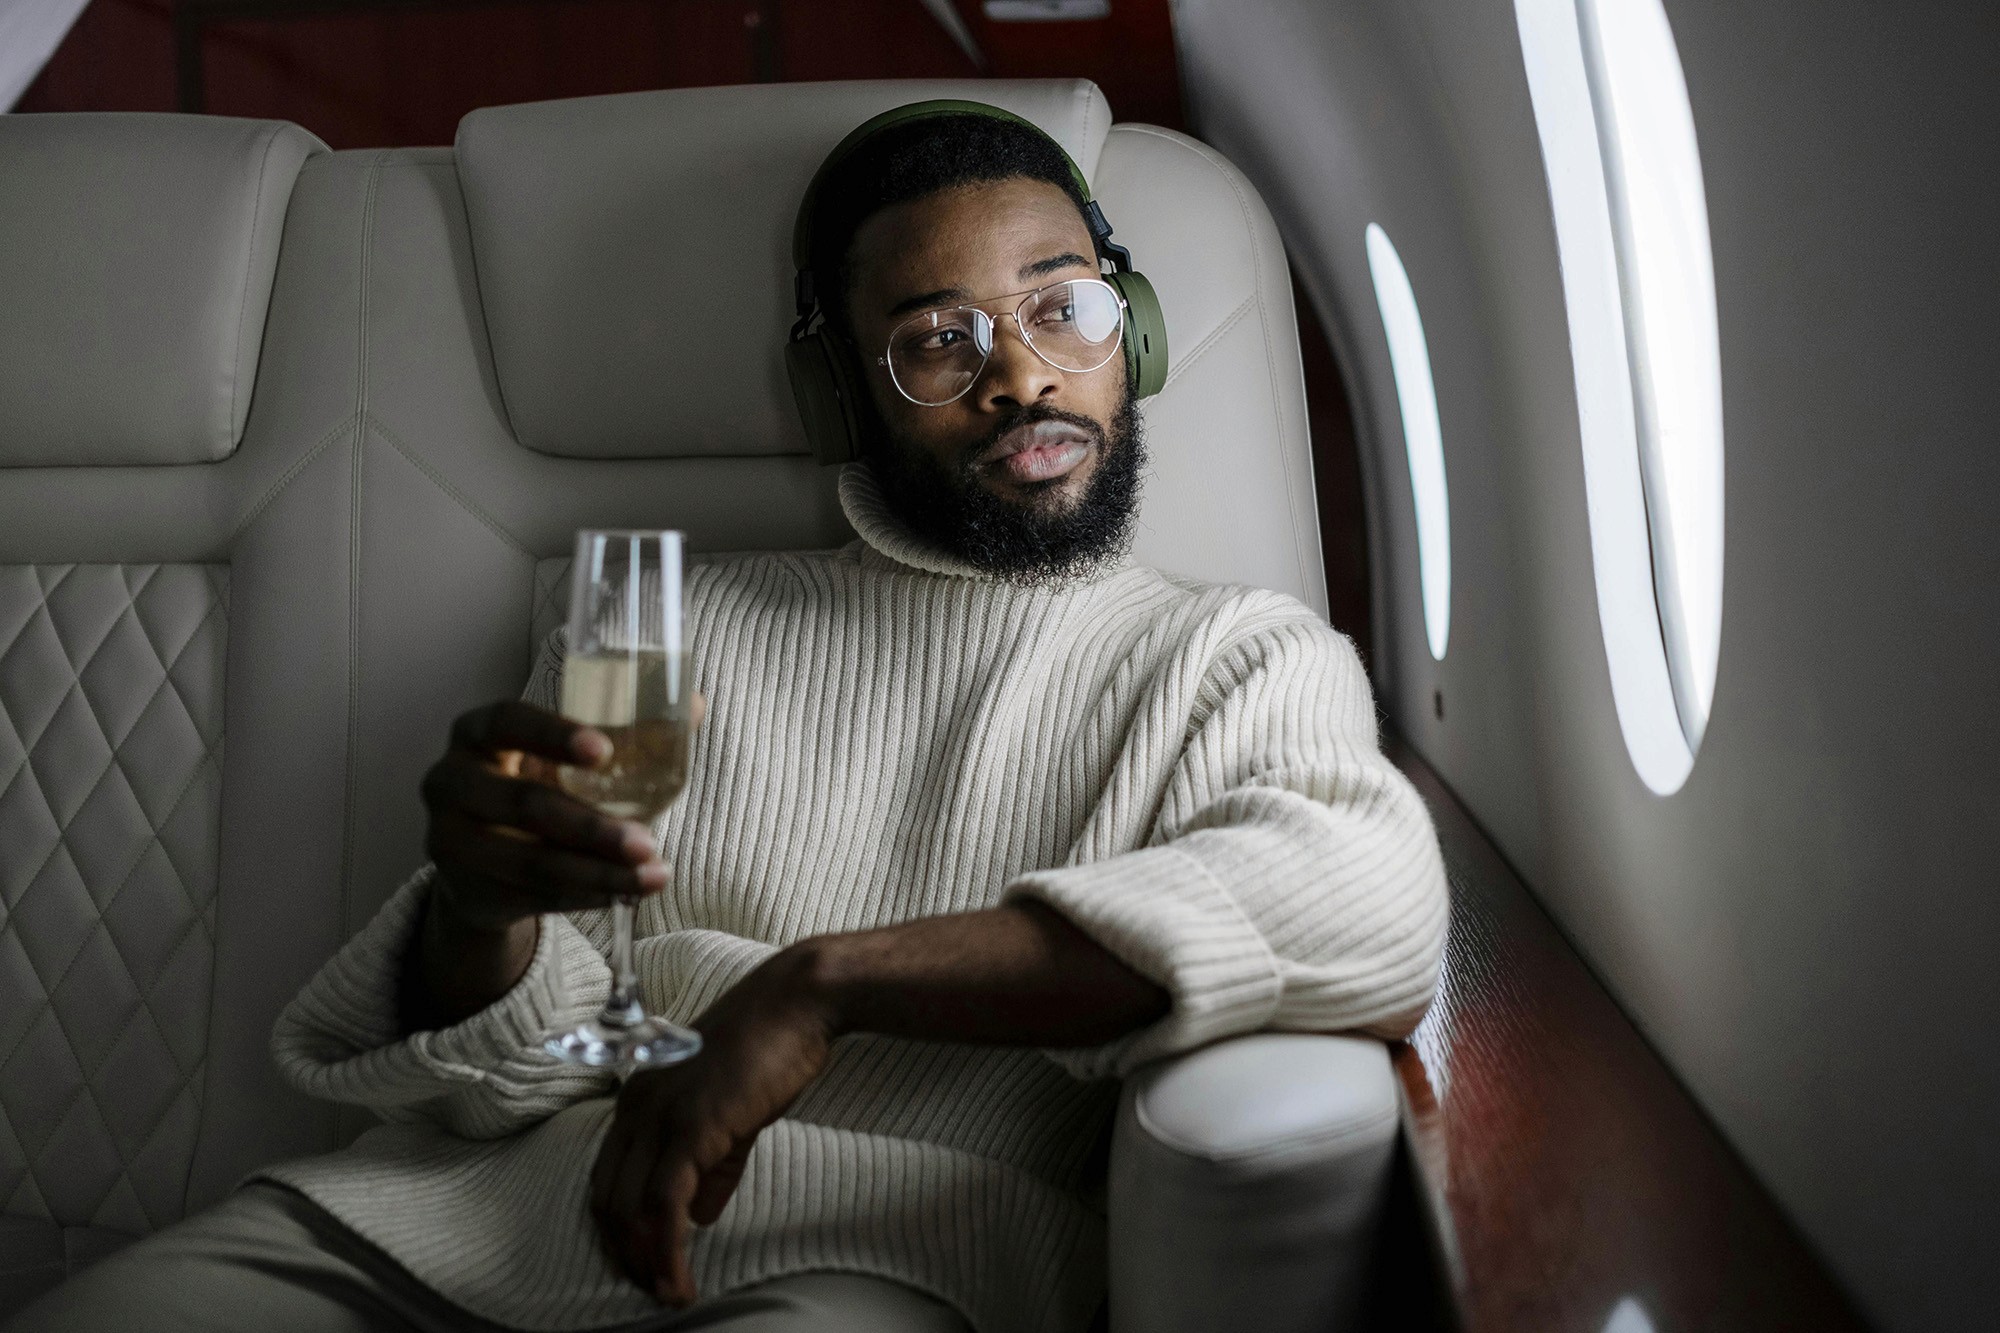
639,700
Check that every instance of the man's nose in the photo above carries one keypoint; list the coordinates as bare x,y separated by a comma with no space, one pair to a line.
1014,375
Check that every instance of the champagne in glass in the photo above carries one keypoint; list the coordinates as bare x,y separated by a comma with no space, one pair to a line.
626,674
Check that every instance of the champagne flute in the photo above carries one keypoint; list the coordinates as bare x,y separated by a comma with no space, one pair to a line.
626,674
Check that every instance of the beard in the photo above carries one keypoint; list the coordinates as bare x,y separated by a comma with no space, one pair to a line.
1036,542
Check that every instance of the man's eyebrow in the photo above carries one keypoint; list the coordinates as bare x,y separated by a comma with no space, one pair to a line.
924,300
1054,263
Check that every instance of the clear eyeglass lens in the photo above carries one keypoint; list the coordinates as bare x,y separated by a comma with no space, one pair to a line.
1074,326
936,356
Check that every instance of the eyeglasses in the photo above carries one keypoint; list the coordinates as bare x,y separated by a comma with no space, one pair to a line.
935,357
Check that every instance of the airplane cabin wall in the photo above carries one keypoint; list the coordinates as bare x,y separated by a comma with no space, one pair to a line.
1806,929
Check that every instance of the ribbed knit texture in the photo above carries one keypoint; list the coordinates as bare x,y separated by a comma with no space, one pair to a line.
1188,772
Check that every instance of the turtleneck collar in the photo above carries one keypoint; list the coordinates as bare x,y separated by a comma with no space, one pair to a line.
881,531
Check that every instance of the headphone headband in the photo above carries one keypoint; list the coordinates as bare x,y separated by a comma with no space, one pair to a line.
868,129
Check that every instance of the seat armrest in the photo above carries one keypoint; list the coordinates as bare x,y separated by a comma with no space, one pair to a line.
1248,1181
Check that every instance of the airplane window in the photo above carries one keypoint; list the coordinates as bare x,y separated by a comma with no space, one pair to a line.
1423,437
1618,143
1629,1317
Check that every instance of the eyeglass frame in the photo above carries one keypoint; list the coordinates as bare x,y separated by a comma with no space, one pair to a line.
1117,339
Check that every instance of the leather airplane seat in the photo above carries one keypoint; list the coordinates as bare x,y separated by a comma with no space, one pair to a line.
572,318
173,673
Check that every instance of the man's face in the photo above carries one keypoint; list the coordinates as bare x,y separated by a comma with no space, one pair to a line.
1033,472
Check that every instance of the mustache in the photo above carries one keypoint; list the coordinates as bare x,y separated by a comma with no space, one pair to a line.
1033,414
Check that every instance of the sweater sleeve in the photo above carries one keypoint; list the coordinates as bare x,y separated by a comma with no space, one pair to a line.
487,1076
1291,879
342,1038
484,1077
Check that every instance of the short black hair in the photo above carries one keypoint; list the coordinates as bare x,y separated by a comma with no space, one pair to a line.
915,159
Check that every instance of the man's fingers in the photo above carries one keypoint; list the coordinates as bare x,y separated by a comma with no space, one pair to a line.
515,725
610,1158
676,1179
544,877
462,785
622,1220
718,1184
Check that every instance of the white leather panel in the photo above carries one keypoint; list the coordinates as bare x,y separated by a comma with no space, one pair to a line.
136,254
634,252
1230,493
111,728
1247,1184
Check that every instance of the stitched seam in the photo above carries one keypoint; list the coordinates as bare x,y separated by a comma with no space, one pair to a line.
1257,260
63,830
7,783
243,302
111,762
76,667
479,290
1320,1137
289,475
62,839
354,545
1230,321
195,909
214,608
438,479
1089,110
85,1090
28,745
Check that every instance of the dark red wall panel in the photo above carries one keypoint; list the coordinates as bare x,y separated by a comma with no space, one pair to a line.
370,73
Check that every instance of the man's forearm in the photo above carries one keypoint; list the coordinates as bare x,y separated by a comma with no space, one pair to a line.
454,969
1014,975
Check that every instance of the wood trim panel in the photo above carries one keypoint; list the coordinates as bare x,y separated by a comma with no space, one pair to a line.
1566,1170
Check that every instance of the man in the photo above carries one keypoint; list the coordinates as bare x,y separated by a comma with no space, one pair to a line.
982,817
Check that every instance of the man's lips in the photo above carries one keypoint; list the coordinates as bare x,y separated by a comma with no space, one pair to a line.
1037,451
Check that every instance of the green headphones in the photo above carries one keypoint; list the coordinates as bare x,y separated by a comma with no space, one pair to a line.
827,383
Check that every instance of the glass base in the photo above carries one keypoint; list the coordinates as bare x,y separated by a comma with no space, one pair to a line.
648,1043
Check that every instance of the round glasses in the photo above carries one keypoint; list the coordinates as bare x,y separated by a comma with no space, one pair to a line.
1075,326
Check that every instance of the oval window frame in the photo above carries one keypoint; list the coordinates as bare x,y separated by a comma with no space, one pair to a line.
1661,629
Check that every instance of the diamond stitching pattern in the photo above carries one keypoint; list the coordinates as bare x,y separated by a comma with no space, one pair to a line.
551,602
110,801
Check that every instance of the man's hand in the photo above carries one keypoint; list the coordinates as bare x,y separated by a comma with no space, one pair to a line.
508,842
509,845
1017,975
681,1135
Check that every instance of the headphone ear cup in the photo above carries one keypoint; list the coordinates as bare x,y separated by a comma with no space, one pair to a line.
825,396
1145,333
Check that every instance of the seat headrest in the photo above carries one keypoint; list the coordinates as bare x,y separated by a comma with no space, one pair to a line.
633,252
136,258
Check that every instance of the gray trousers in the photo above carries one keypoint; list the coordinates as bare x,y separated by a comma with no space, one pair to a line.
267,1258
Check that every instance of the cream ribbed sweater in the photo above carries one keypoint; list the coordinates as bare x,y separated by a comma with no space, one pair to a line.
1190,773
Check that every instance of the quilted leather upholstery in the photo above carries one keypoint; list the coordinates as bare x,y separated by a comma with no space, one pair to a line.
551,601
110,794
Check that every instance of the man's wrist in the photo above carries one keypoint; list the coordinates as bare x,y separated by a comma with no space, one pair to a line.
447,914
814,974
459,967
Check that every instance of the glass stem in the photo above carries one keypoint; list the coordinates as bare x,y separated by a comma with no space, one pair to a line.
622,1008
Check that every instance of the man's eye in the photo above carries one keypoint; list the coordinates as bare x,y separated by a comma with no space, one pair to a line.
1058,314
939,340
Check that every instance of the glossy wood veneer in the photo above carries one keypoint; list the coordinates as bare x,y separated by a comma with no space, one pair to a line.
1570,1177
